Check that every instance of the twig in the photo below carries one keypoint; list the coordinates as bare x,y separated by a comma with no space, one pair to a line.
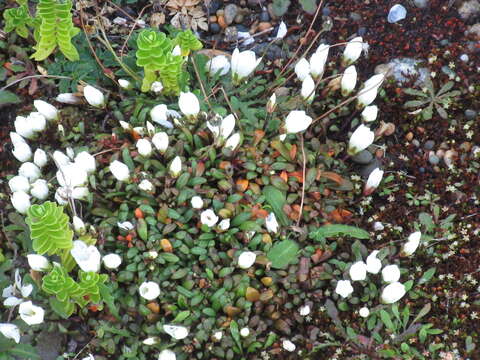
200,82
35,77
303,177
133,28
231,108
106,151
121,10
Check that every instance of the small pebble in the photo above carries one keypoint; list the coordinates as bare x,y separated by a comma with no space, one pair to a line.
464,57
212,19
433,159
215,28
416,143
220,12
470,114
213,6
422,170
378,226
326,11
429,145
222,22
363,157
420,3
231,11
239,18
396,13
355,16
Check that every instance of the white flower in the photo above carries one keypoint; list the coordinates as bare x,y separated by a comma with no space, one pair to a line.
177,51
243,64
370,89
344,288
304,310
21,201
30,313
373,263
364,312
302,69
391,273
49,111
86,162
358,271
151,340
149,290
144,147
70,153
125,84
156,87
208,217
16,138
150,128
126,225
197,202
60,158
19,183
11,291
318,61
370,113
138,130
282,31
227,125
39,189
297,121
23,127
79,193
38,262
68,98
94,96
271,223
246,259
10,331
167,354
78,225
378,226
288,345
224,225
373,181
160,141
71,176
412,244
22,152
308,89
349,80
218,335
112,261
36,121
176,166
152,254
272,103
87,256
61,196
40,158
189,104
353,50
233,141
146,185
219,64
159,114
361,138
393,292
176,332
245,332
120,171
30,171
89,357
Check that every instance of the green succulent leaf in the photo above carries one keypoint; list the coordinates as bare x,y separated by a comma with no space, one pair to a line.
18,19
188,42
60,284
49,228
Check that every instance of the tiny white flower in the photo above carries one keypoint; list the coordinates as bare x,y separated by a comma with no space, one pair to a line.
349,80
78,225
38,262
126,225
19,183
358,271
391,273
40,158
271,103
244,332
318,61
30,171
297,121
86,161
149,290
344,288
364,312
218,335
112,261
152,254
304,310
150,128
146,185
288,345
89,357
80,193
120,171
308,89
219,64
282,31
31,314
125,84
49,111
68,98
370,89
10,331
176,332
189,104
159,114
224,225
302,69
176,166
39,189
86,256
373,263
151,340
21,201
227,125
167,354
208,217
94,96
378,226
243,64
370,113
177,51
144,147
156,87
36,121
373,181
197,202
22,152
412,244
393,292
233,141
361,138
353,50
246,259
160,141
271,223
71,176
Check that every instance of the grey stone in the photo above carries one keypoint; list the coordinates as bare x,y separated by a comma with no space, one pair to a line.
367,169
215,28
429,145
50,345
416,143
231,11
470,114
433,159
355,16
396,13
420,3
469,9
363,157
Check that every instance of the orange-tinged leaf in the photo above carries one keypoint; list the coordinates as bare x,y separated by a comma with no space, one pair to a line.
259,134
242,185
259,213
297,175
340,215
225,165
293,151
166,245
200,169
332,176
284,176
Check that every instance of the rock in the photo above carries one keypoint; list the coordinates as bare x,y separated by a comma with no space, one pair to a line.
416,143
367,169
450,157
396,13
254,3
403,69
213,6
215,28
50,345
231,34
326,11
355,16
231,11
378,226
363,157
474,31
222,22
429,145
242,28
470,114
273,51
282,91
469,9
239,18
420,3
212,19
464,57
433,159
264,16
409,136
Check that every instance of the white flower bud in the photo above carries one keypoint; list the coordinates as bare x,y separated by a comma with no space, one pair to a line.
156,87
233,141
364,312
49,111
78,225
10,331
94,96
86,162
243,64
318,61
302,69
412,244
112,261
361,138
151,340
297,121
282,31
149,290
167,354
344,288
189,104
60,158
30,171
176,332
176,166
125,84
87,256
304,310
40,158
373,263
38,262
39,189
272,103
120,171
246,259
208,217
374,179
126,225
219,64
146,185
272,223
144,147
288,345
150,128
19,183
23,127
370,113
160,141
71,175
36,121
393,292
16,139
358,271
349,80
159,114
370,89
244,332
391,273
197,202
308,89
22,152
353,50
224,225
68,98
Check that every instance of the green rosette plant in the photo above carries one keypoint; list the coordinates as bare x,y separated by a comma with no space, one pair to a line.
90,283
60,284
188,42
18,19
